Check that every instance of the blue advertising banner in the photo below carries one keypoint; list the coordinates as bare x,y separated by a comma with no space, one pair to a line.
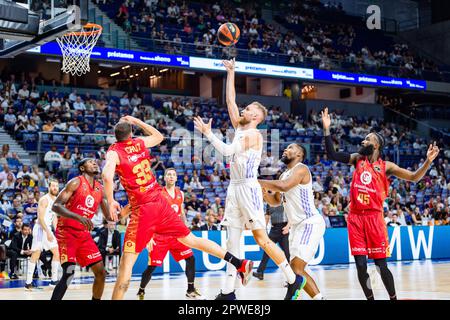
153,58
406,243
122,55
363,79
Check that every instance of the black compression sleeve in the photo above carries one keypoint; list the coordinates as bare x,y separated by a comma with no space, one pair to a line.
343,157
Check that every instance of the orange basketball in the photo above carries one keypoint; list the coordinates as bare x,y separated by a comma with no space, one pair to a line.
228,34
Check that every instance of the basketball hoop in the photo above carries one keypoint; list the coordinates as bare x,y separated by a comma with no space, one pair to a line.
76,48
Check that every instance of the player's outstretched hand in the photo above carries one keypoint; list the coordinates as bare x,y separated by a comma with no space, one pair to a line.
114,209
326,119
201,126
87,223
432,152
229,64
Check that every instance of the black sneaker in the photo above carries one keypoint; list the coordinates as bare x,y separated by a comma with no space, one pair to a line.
258,275
53,283
141,294
293,291
228,296
13,276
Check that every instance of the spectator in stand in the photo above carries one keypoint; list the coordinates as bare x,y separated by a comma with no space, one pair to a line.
9,183
394,221
109,243
66,164
211,220
79,105
20,247
52,159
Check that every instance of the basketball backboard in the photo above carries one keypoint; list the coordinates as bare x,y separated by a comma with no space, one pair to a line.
25,24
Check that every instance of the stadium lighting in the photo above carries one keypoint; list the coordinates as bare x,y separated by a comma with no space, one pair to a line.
153,77
163,70
125,67
114,74
99,71
131,76
136,74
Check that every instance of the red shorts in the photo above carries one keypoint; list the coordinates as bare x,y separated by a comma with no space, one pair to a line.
162,245
153,217
77,247
368,235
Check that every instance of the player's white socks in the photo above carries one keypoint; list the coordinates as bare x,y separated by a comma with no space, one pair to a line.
288,272
30,272
233,246
55,268
318,297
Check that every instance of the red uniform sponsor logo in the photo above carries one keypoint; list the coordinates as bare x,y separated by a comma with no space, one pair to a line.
84,202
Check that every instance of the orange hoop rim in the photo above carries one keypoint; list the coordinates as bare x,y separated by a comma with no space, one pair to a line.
96,29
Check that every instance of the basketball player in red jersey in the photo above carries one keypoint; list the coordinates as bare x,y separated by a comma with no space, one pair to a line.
76,204
161,244
369,188
150,211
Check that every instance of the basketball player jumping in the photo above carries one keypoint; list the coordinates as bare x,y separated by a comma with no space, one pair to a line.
369,188
43,237
150,211
244,205
77,203
294,190
161,244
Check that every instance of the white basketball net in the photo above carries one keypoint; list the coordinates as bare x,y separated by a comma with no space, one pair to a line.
76,48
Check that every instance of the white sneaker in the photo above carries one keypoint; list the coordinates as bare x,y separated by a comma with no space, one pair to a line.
194,295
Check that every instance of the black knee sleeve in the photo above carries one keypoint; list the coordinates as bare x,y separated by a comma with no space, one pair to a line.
190,269
386,277
147,276
64,282
363,276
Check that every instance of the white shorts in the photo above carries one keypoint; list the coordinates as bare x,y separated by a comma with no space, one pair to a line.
40,241
304,238
244,206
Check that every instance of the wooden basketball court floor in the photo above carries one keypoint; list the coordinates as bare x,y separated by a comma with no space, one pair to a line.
426,279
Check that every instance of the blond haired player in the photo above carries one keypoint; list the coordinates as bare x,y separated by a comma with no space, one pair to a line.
244,205
43,237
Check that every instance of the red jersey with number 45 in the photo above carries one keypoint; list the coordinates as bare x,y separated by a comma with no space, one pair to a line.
135,172
176,202
84,202
369,187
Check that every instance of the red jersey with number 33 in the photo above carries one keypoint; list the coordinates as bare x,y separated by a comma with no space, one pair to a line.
369,187
135,171
177,202
84,202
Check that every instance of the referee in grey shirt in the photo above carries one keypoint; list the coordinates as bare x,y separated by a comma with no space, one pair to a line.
279,233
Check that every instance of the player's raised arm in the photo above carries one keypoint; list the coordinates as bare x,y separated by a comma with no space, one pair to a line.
42,207
415,176
112,159
287,184
108,215
251,140
343,157
183,212
59,206
233,110
153,136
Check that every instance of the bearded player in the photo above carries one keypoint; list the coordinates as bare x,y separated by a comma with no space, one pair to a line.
77,203
150,211
161,244
244,205
43,237
369,188
307,227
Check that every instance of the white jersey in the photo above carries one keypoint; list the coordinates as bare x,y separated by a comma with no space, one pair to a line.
49,214
244,165
298,202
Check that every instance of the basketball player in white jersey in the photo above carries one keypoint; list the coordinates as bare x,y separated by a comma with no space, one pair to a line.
43,237
294,190
244,206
